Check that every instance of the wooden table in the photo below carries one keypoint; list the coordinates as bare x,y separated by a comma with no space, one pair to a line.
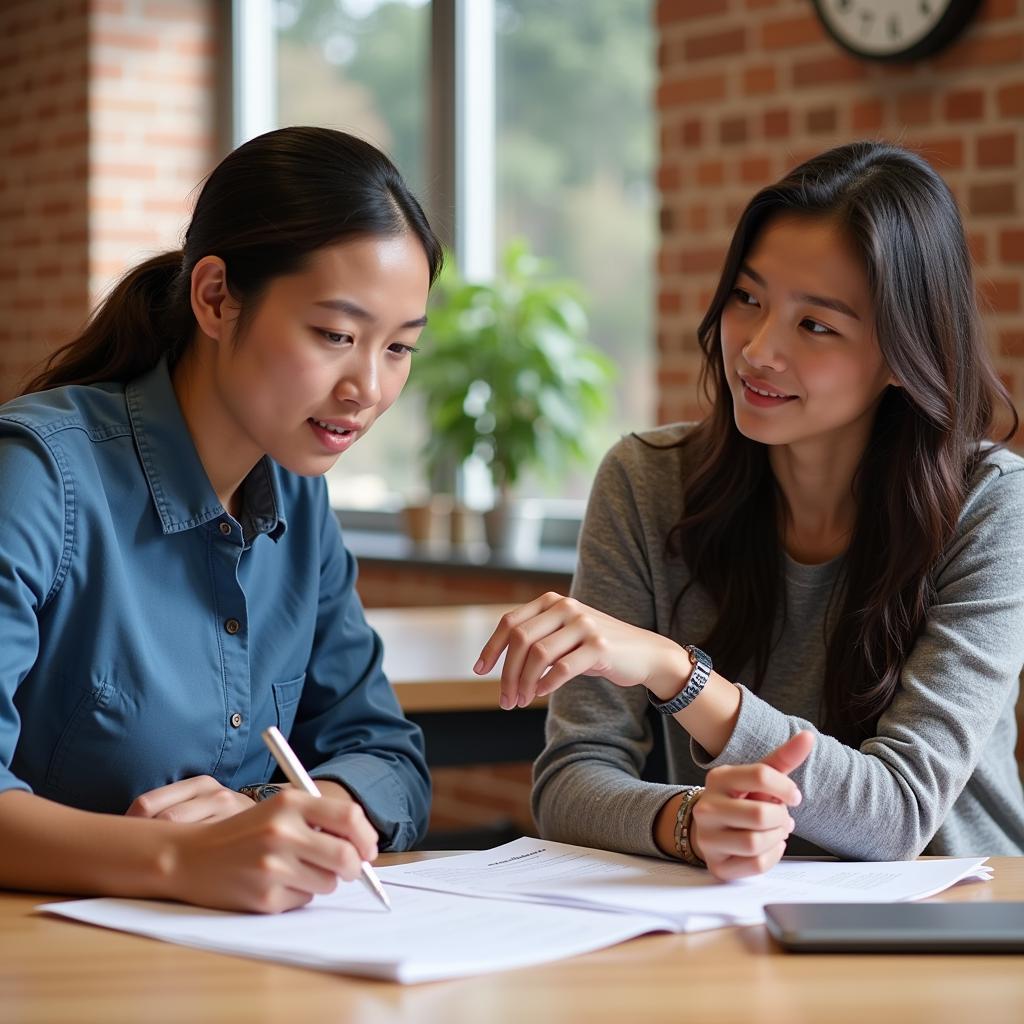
429,655
54,971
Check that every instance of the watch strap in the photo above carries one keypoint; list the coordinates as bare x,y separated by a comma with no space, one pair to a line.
699,675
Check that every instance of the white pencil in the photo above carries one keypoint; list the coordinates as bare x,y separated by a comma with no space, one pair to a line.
298,776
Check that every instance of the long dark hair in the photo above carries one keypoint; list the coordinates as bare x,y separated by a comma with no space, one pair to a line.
925,443
264,210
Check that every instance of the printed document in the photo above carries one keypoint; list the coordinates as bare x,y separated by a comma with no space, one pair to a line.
684,898
524,903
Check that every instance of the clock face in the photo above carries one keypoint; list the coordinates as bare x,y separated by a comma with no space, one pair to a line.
894,29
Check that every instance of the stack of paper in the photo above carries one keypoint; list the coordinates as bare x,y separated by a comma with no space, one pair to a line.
524,903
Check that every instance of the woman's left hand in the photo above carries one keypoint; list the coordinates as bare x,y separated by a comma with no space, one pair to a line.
201,798
563,638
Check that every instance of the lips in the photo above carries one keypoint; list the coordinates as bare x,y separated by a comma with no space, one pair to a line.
342,428
762,388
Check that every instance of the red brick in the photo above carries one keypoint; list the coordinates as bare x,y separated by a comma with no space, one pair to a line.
680,92
715,44
965,105
669,302
759,81
828,70
697,217
1011,100
914,107
692,132
669,177
978,245
710,172
146,41
867,115
756,170
992,198
997,150
982,52
790,33
1001,296
696,261
944,154
822,120
1011,245
775,124
668,11
1011,343
732,130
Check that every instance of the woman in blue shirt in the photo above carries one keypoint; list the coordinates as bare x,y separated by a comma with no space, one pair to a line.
172,578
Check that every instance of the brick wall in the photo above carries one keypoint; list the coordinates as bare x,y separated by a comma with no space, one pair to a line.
44,210
749,88
107,111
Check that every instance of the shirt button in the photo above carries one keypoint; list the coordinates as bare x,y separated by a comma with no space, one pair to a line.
232,626
225,528
236,719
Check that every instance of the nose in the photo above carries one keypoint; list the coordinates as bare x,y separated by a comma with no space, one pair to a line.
765,346
359,381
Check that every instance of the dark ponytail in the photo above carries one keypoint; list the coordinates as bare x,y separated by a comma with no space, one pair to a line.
144,318
264,210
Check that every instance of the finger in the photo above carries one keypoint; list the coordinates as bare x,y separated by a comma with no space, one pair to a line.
726,812
331,854
342,819
792,753
498,640
577,663
740,842
544,655
150,804
521,640
729,869
223,803
744,780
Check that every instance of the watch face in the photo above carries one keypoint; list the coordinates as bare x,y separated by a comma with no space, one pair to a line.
894,29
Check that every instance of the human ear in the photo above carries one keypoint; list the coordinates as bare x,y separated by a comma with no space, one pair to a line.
212,304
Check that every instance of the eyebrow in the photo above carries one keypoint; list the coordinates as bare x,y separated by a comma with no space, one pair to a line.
814,300
357,311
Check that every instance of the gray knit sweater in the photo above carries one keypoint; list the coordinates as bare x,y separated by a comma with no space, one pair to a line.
939,777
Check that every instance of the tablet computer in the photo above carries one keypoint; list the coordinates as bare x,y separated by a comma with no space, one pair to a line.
897,927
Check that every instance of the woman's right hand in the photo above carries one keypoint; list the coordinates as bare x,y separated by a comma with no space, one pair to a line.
741,822
274,857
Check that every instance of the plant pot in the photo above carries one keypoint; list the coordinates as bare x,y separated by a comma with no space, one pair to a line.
513,529
427,524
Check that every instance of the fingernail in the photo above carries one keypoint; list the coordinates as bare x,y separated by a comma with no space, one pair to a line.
479,666
797,797
523,700
505,702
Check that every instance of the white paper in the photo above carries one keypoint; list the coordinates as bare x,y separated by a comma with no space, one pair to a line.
426,937
686,898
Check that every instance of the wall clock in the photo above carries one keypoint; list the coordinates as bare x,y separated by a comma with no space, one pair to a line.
895,30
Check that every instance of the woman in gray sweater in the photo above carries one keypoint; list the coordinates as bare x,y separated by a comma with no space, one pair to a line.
839,536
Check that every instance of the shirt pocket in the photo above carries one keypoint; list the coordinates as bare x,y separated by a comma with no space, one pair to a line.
286,702
90,704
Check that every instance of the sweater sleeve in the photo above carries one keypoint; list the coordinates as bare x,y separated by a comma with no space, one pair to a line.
587,786
886,800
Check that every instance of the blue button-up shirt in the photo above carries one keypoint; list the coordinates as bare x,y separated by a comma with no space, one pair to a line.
147,636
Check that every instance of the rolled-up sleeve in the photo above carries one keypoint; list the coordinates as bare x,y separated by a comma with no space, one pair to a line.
349,723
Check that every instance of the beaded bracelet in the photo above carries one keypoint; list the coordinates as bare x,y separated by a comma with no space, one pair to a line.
681,833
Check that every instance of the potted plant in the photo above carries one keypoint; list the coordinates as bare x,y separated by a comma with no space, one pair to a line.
507,375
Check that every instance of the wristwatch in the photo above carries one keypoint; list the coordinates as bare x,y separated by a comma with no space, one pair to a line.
262,791
700,672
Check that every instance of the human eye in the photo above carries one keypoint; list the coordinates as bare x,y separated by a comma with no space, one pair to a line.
743,297
402,350
815,327
334,337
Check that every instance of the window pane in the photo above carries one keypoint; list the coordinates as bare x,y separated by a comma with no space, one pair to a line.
575,157
361,66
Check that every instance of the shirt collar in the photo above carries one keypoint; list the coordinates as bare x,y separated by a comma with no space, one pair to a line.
180,488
